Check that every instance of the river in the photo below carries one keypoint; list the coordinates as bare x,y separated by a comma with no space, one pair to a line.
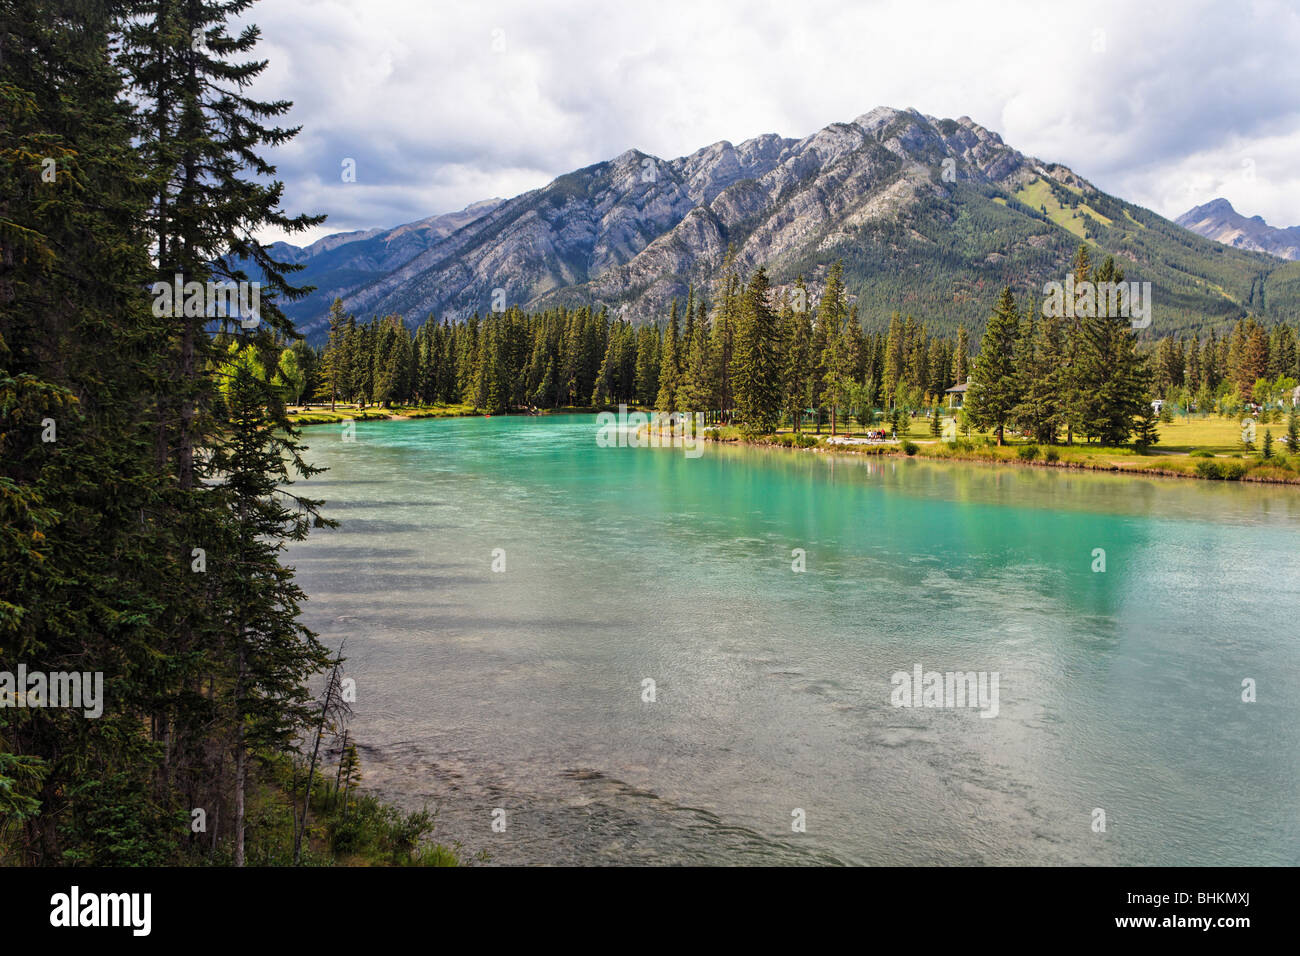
771,733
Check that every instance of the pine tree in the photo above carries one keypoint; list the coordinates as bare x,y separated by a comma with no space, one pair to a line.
87,580
647,366
273,654
994,389
1146,429
895,358
797,348
335,357
961,357
695,390
1110,376
669,367
722,336
839,357
756,364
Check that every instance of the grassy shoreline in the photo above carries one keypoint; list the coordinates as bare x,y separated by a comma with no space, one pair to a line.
1206,449
1205,464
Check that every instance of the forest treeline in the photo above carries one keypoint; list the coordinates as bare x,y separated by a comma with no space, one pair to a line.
699,359
146,468
807,364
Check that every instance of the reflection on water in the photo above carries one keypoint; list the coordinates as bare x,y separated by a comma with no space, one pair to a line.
523,690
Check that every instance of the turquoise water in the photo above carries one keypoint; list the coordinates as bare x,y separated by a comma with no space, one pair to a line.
522,689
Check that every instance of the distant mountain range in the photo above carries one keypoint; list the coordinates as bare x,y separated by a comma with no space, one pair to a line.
930,216
1217,220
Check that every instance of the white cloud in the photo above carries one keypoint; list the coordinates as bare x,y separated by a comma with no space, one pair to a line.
444,104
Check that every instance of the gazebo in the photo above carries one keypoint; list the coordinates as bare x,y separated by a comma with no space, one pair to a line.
957,395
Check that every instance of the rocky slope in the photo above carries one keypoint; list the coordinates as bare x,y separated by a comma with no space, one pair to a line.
1217,220
929,215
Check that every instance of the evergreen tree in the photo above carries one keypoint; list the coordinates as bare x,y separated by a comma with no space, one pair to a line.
1110,376
961,357
796,340
1039,359
273,654
647,366
89,580
669,367
994,391
756,364
1146,432
335,357
696,388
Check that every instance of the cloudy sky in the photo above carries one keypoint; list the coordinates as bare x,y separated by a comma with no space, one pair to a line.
444,102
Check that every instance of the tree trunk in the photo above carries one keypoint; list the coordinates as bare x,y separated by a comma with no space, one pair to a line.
241,757
241,774
326,707
338,777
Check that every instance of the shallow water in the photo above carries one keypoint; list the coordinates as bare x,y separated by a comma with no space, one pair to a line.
522,689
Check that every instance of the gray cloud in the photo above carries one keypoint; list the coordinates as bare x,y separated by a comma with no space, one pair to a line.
1166,104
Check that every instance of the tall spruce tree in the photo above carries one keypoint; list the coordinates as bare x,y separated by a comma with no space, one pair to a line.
994,389
1111,378
669,366
756,363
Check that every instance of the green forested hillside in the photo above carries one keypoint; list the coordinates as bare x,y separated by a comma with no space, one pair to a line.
942,259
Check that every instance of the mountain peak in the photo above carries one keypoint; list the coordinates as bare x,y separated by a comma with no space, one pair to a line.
883,193
1218,220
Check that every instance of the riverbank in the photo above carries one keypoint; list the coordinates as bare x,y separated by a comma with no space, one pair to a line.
1201,448
1212,459
307,415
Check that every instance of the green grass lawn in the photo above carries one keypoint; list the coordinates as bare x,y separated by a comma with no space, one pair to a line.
1217,440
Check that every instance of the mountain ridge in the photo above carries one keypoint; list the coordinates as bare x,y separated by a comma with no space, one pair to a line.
928,214
1218,220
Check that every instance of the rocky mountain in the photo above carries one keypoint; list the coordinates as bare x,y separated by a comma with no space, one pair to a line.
930,216
339,264
1217,220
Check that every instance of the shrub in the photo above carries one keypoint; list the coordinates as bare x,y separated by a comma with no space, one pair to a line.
1202,453
1027,452
909,448
1051,455
1234,470
793,440
1209,469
